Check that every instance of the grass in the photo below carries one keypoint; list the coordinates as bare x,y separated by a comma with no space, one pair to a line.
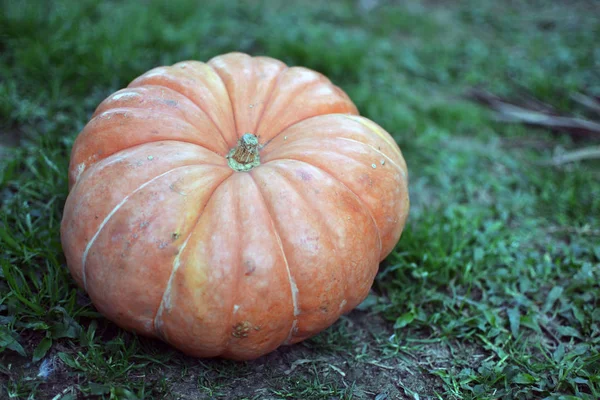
492,292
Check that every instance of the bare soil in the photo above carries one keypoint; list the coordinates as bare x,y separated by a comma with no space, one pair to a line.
353,366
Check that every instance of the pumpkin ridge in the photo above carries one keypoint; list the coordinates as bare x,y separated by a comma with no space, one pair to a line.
402,170
229,97
298,122
109,216
360,200
269,156
293,287
402,175
176,263
299,192
180,141
370,125
193,101
231,315
80,143
301,196
285,172
118,156
292,95
88,168
268,97
141,106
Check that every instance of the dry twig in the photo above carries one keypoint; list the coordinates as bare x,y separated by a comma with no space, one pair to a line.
507,111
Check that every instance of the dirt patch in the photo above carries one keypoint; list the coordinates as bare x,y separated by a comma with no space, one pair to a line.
351,359
316,369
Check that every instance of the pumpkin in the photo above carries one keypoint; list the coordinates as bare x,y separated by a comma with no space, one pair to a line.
232,206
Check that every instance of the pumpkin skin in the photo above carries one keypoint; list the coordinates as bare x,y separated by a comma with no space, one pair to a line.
171,242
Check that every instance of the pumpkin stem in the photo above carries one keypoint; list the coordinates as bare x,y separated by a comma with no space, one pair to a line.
244,156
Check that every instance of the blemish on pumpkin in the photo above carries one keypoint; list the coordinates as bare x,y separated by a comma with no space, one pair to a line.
162,244
144,224
241,329
125,95
311,242
175,235
305,176
250,267
150,158
105,115
171,103
374,166
80,169
382,162
175,187
365,179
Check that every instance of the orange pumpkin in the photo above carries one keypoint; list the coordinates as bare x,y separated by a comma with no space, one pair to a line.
232,206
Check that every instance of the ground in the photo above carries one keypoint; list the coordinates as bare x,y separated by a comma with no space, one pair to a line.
492,291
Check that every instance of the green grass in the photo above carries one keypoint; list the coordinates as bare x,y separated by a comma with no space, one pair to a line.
492,292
